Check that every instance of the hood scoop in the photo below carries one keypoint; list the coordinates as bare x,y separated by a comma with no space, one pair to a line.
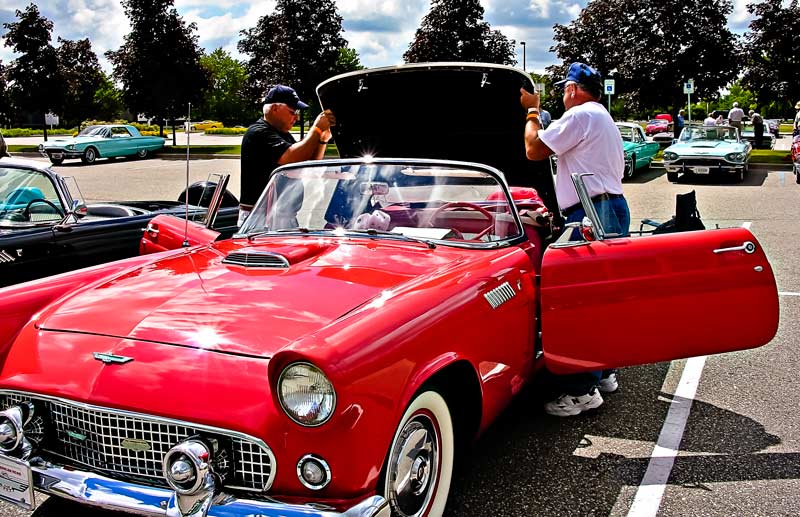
257,258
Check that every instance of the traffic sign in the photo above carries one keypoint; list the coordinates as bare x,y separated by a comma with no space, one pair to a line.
539,88
688,86
609,86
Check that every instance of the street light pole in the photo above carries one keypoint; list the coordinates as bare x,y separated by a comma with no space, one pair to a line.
523,54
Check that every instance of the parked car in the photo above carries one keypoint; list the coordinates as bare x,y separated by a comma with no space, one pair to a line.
749,134
639,153
774,127
207,124
656,126
47,228
708,150
796,157
339,351
101,141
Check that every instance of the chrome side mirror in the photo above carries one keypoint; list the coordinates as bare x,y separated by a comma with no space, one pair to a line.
79,209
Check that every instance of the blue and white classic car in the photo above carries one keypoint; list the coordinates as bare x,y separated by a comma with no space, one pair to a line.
105,141
708,150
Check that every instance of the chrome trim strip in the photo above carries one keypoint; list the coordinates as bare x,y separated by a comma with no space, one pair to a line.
500,295
100,491
163,420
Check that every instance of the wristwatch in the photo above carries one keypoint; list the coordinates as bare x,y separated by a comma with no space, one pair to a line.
533,110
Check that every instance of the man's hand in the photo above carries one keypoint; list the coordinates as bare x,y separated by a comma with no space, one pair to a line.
324,121
528,99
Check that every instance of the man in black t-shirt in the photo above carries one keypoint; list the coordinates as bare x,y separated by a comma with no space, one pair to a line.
268,143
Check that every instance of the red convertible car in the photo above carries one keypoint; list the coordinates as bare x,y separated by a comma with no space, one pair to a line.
373,315
655,126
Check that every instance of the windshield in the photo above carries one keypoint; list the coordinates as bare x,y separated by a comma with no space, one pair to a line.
713,133
658,121
93,131
627,133
27,197
447,203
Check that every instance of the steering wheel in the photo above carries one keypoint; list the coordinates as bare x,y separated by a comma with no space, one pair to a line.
470,206
27,212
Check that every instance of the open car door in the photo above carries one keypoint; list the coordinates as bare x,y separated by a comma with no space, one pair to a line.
628,301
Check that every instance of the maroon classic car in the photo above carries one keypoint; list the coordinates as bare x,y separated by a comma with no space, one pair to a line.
373,315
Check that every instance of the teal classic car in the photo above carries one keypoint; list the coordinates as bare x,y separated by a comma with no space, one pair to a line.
708,150
104,141
639,153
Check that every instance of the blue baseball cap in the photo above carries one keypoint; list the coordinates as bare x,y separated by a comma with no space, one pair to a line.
284,95
581,73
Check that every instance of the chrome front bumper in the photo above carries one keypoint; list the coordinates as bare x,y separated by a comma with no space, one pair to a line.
99,491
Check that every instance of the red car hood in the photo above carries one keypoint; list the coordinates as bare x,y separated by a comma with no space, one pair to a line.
194,299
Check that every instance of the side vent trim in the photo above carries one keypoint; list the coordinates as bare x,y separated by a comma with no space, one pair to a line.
255,258
500,295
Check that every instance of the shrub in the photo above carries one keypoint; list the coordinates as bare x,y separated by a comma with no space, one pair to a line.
227,131
17,131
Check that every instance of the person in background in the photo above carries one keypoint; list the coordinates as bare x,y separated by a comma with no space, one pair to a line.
3,147
680,121
796,124
545,118
710,120
735,116
758,127
268,144
585,139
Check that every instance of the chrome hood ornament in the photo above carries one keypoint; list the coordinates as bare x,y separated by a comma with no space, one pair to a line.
111,358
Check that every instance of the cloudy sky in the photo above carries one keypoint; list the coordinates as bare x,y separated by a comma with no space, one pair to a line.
379,30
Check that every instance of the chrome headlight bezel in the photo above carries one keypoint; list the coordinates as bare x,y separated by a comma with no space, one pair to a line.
300,372
736,157
670,156
70,147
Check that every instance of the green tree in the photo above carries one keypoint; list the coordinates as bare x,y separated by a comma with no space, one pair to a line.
772,69
159,63
297,45
226,99
348,61
653,49
454,30
36,84
5,104
82,78
108,100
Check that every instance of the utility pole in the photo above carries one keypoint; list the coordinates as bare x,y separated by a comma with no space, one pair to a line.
523,54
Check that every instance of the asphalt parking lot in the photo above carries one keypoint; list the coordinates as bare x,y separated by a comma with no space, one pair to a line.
736,453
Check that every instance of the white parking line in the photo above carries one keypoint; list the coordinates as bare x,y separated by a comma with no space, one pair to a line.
780,293
651,489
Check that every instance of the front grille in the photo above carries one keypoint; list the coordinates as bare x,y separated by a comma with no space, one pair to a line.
93,437
691,162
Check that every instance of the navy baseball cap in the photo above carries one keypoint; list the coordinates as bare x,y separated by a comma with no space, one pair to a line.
284,95
581,73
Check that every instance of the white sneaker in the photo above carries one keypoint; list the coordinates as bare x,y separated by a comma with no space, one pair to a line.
608,384
569,405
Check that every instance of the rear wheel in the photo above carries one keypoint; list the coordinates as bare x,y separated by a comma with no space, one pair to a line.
89,155
419,466
142,153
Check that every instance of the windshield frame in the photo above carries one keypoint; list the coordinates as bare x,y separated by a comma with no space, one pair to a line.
498,176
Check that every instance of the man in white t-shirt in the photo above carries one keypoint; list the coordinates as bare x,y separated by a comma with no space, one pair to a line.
585,139
735,116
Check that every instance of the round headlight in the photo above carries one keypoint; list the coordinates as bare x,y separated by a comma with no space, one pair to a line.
70,147
9,437
734,157
306,395
670,157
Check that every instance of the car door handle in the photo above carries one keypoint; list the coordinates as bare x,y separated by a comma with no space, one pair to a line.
747,247
151,229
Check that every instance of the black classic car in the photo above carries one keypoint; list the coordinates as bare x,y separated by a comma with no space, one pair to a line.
45,229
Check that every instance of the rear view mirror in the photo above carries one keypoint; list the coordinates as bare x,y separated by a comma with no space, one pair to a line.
79,209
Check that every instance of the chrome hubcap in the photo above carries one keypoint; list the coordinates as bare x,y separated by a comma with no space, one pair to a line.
414,467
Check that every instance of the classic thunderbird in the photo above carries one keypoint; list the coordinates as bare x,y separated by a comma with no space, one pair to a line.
639,153
708,150
104,141
372,316
46,228
767,139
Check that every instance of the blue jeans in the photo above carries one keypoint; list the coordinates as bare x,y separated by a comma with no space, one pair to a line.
615,218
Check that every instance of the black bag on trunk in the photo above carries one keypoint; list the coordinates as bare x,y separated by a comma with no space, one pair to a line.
686,218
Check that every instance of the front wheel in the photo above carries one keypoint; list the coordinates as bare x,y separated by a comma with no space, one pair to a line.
56,161
142,153
89,155
672,177
419,466
630,166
